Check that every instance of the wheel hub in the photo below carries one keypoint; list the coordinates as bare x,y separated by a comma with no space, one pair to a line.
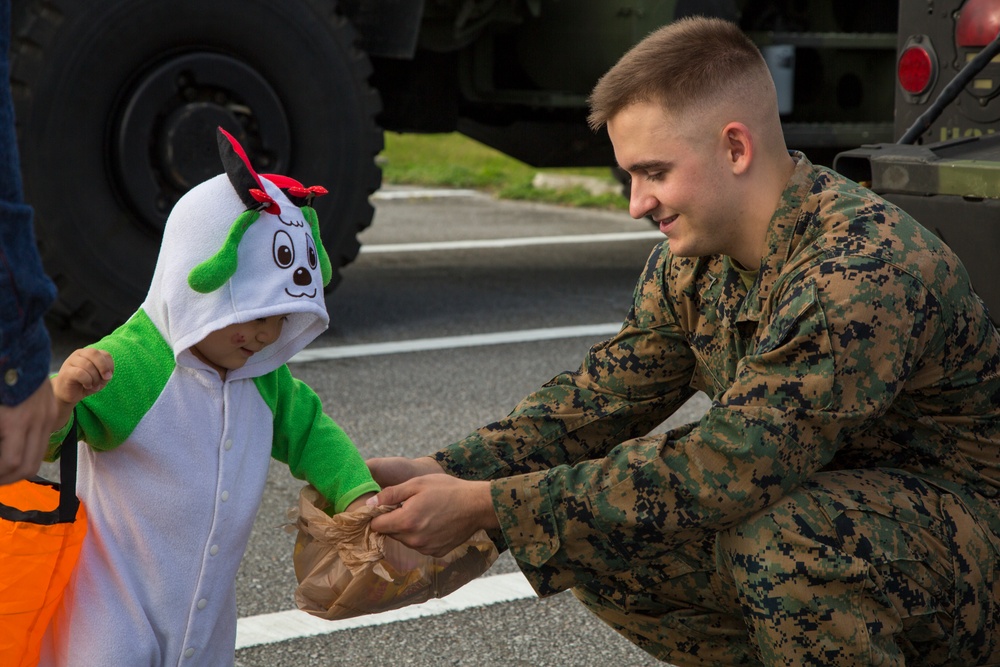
165,139
181,153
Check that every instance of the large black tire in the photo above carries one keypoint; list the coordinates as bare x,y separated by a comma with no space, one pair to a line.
117,103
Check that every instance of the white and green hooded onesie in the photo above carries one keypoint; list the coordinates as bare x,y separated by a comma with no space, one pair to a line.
173,460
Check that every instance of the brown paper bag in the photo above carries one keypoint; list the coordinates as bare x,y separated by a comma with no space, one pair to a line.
345,569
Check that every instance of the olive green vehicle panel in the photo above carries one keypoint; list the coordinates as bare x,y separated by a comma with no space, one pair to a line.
976,111
512,74
515,74
949,179
964,167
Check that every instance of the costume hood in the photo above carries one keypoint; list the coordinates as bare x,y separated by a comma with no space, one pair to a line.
238,247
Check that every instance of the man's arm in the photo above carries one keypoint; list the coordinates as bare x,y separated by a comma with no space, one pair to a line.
625,387
832,362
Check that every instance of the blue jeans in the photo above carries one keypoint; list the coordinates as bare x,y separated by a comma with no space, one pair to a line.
25,291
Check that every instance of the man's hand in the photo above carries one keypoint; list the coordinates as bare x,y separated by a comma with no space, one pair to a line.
437,513
392,470
24,434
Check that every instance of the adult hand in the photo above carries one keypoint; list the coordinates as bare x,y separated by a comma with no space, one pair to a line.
437,512
24,434
392,470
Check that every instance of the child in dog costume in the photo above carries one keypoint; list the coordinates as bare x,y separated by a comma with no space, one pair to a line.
175,446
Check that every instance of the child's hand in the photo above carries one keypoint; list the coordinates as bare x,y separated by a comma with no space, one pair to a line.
359,503
84,372
393,470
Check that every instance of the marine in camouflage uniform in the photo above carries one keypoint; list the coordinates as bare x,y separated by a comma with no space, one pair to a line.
836,505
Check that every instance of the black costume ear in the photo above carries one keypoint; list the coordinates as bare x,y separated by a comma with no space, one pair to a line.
238,169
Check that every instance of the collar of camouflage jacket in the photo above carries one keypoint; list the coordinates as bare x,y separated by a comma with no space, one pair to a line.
784,232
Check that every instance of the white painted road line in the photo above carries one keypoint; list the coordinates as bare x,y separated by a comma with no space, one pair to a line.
511,242
425,193
293,624
452,342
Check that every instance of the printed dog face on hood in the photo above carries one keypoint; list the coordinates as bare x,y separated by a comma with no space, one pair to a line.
292,226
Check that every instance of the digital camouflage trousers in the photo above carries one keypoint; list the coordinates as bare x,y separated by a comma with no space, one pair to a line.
868,567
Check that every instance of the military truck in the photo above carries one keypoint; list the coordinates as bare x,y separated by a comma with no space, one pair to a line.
944,168
117,102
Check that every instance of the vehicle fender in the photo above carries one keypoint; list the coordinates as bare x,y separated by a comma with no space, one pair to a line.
388,28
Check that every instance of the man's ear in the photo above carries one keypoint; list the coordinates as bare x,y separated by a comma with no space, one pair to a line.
738,145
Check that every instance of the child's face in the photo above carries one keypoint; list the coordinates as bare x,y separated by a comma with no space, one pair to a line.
229,348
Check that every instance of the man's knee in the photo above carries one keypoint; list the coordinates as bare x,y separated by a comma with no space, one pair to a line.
864,563
676,629
676,609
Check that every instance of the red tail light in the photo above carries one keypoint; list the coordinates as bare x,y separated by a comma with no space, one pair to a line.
978,23
915,70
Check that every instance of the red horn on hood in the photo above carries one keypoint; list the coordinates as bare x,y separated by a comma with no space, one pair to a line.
242,175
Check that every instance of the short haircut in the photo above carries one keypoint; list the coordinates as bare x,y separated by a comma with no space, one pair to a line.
687,65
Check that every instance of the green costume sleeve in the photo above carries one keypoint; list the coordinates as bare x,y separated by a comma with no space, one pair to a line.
315,448
143,364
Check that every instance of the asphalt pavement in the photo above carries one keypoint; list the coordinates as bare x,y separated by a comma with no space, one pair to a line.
458,306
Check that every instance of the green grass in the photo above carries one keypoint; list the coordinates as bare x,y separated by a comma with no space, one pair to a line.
453,160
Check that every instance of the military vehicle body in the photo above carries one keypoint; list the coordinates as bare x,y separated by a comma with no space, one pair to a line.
117,100
944,168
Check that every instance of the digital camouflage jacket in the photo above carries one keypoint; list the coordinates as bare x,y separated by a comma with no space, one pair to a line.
860,345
